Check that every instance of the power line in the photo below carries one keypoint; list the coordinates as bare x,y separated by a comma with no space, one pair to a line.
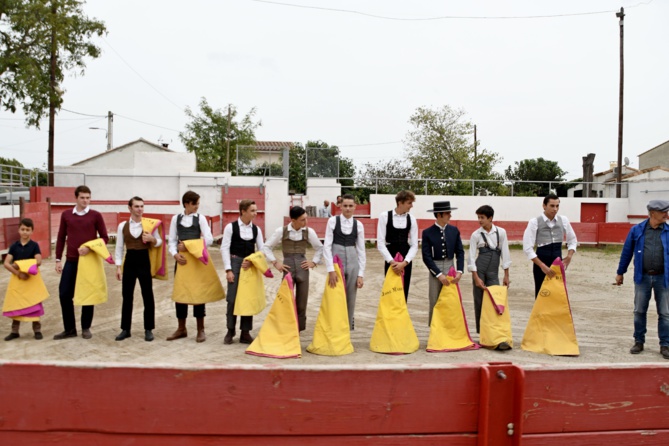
372,144
83,114
146,123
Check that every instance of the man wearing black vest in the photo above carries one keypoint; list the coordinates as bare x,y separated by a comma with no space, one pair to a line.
397,232
345,237
547,232
241,238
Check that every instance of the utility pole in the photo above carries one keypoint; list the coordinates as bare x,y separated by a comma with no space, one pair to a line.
110,130
52,95
227,138
475,148
619,179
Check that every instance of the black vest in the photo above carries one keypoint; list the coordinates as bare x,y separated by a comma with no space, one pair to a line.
191,233
240,247
339,238
397,240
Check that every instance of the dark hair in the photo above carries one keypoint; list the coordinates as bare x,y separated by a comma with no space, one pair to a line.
27,222
404,195
135,198
550,197
190,197
348,197
296,212
81,189
486,210
437,214
245,204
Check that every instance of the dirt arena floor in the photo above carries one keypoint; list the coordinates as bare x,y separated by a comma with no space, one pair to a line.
602,315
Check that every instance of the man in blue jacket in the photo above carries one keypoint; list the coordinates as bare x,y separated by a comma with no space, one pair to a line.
441,244
648,243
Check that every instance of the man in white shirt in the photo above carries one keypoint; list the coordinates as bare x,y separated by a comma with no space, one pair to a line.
397,232
137,266
547,232
345,237
241,238
294,239
488,248
324,212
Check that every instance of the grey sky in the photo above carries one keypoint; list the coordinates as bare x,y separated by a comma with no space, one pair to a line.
534,87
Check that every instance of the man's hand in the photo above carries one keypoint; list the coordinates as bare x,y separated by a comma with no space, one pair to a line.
181,247
246,264
360,282
59,267
84,250
457,277
181,260
148,238
398,267
281,267
619,279
506,281
548,271
230,276
478,283
119,273
307,264
566,261
332,279
444,280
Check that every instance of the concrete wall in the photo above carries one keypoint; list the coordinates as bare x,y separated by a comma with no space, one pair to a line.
321,189
659,156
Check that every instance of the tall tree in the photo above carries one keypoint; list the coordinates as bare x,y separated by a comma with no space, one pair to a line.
390,176
207,136
537,169
323,161
440,145
41,40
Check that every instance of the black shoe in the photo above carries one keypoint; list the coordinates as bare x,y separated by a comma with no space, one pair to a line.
38,335
637,348
86,333
66,334
503,346
148,336
11,336
123,335
664,351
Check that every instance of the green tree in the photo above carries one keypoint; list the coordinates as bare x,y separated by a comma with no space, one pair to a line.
297,182
206,135
390,177
529,170
440,145
324,161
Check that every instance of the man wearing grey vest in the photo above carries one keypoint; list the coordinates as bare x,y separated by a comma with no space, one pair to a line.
547,232
345,237
294,239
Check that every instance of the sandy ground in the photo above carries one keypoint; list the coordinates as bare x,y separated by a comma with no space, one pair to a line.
602,315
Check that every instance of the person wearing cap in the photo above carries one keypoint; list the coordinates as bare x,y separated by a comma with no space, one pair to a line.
441,245
397,232
648,243
547,232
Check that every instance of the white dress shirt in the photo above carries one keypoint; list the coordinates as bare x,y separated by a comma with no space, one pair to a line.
399,222
346,228
296,236
84,212
187,222
245,232
135,230
477,242
530,236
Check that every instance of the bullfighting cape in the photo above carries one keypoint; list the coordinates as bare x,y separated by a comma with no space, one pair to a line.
495,319
448,330
90,287
23,299
157,256
250,298
196,282
332,334
279,336
550,329
393,331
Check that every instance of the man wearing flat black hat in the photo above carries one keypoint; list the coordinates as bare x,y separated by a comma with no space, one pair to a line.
441,244
648,243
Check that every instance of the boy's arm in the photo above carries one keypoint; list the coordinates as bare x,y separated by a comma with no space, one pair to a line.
38,259
9,266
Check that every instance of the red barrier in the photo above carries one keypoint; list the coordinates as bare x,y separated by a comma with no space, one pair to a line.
41,217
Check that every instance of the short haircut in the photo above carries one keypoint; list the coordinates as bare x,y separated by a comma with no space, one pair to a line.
348,197
80,189
437,214
190,197
135,198
550,197
296,212
244,205
486,210
27,222
404,195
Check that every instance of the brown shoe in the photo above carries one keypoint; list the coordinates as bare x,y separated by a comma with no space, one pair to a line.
245,337
37,329
636,348
228,337
181,331
65,334
664,351
86,333
11,336
201,337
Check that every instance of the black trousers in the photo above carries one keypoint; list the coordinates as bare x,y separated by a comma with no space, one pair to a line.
66,295
182,309
407,277
137,267
538,274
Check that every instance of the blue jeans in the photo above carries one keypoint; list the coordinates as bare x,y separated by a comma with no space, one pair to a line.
642,293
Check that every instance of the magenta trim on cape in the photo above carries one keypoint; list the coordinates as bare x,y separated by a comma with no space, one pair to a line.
109,260
269,274
498,308
205,255
336,259
36,310
33,270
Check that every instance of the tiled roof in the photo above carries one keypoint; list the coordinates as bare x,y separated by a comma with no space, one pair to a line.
640,172
273,146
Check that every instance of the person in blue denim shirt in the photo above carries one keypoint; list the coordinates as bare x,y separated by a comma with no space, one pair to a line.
648,243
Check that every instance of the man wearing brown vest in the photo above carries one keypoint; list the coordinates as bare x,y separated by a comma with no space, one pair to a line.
294,239
136,267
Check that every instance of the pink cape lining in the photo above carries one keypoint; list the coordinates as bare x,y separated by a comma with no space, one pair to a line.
336,259
109,260
33,270
33,311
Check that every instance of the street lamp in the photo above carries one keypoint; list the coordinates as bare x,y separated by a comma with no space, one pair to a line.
106,135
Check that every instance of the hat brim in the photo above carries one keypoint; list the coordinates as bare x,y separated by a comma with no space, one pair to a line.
441,210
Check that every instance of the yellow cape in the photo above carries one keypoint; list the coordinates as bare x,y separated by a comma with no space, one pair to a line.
332,334
393,331
196,282
448,330
550,329
250,299
90,287
157,256
279,336
495,319
24,297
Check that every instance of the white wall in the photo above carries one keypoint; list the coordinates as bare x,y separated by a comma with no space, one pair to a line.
321,189
6,211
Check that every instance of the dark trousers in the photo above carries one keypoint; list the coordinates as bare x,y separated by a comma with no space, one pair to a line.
538,274
182,309
137,267
407,277
66,295
246,323
301,279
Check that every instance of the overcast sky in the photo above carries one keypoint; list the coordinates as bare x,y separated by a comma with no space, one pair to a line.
535,87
